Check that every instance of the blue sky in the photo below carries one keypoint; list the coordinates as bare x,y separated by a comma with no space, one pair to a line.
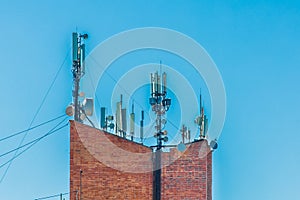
255,45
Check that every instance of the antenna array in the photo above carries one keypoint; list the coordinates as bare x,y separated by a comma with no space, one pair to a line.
158,100
121,122
202,121
79,110
160,105
185,133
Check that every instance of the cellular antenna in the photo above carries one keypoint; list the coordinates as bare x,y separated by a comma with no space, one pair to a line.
124,122
121,122
164,83
102,118
132,118
183,133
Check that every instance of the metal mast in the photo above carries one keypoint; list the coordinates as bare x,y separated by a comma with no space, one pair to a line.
78,70
202,121
160,105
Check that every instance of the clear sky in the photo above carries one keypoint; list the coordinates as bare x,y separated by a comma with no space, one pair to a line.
255,45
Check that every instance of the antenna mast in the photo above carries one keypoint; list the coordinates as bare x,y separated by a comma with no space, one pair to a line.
78,70
160,105
202,121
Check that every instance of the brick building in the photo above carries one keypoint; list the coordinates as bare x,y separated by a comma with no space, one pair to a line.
98,171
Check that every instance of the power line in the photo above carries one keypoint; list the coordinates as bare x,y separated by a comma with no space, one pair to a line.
35,115
53,130
52,196
24,145
17,133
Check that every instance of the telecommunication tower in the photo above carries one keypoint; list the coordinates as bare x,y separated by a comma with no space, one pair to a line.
78,70
80,110
160,105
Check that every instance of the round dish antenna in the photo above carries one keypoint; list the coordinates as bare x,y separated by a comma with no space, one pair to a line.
181,147
70,110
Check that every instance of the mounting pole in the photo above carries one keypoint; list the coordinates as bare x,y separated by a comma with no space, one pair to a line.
132,122
80,185
142,127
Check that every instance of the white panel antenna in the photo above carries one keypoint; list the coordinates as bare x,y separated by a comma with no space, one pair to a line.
88,106
124,121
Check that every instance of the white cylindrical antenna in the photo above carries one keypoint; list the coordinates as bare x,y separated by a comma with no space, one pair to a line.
183,132
132,118
132,124
205,125
202,134
79,53
164,83
158,84
152,82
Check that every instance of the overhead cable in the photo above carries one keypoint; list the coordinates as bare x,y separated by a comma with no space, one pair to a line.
41,124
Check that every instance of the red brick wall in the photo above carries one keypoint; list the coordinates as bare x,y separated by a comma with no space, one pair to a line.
187,176
98,180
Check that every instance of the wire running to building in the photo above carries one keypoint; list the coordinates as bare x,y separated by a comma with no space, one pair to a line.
35,140
36,113
53,130
52,196
34,127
